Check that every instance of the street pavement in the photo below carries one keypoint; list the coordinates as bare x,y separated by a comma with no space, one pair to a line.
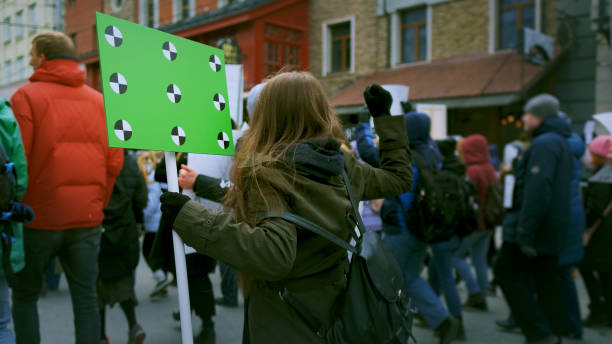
155,317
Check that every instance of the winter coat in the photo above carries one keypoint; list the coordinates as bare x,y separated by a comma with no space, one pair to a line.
10,139
119,246
71,168
540,212
276,254
573,248
475,153
597,198
392,211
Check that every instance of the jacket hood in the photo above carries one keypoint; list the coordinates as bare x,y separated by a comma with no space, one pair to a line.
556,125
453,164
60,71
319,157
475,150
603,175
418,126
577,146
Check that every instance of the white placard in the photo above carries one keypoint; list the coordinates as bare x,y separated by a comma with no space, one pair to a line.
603,123
509,181
438,116
399,94
235,87
217,166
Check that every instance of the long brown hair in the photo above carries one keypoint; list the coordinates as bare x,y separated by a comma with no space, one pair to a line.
291,108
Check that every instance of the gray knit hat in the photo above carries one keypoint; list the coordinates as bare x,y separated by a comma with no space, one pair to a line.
543,106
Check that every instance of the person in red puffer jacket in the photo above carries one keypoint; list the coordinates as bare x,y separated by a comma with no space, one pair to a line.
474,153
71,176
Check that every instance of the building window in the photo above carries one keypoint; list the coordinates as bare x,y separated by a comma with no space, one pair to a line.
20,68
8,72
340,47
513,16
32,17
413,35
281,48
149,13
7,30
183,9
19,24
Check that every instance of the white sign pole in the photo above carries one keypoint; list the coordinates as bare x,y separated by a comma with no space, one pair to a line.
179,258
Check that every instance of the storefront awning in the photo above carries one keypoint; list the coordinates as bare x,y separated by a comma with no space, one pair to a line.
478,81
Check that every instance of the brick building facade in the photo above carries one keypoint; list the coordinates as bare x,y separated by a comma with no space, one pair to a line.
465,54
269,34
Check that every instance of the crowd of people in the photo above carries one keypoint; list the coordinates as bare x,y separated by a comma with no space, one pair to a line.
434,204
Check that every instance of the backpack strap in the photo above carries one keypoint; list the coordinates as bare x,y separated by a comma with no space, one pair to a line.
358,220
311,226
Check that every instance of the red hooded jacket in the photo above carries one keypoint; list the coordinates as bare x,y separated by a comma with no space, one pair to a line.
475,155
70,166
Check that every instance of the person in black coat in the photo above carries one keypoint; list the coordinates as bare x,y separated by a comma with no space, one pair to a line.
536,225
119,247
596,269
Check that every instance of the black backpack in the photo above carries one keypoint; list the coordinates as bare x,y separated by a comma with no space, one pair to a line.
494,208
374,307
441,204
7,185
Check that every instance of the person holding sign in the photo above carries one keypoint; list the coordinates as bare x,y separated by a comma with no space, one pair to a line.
290,160
71,173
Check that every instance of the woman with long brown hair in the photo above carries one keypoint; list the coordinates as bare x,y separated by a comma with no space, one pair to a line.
290,160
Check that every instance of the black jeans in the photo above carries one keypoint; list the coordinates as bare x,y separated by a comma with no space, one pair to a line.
599,287
77,250
532,288
229,284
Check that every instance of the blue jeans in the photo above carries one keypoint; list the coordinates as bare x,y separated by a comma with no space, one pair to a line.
410,254
477,245
77,250
6,335
442,263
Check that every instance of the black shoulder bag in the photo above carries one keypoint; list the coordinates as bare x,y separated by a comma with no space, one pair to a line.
374,307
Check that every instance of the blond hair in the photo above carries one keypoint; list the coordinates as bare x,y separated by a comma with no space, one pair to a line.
54,44
291,108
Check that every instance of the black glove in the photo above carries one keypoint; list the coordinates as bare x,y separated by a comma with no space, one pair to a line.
19,212
171,204
529,251
378,100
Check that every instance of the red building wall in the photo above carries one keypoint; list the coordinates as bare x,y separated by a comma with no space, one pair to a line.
80,23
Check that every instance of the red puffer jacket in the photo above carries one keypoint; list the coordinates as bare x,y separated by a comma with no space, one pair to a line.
475,154
70,166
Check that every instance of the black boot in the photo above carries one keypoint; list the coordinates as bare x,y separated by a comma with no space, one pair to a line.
207,334
447,331
476,301
595,319
508,325
461,331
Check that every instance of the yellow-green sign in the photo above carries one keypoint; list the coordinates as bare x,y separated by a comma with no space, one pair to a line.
162,92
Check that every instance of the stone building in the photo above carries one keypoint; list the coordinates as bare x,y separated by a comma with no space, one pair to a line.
20,21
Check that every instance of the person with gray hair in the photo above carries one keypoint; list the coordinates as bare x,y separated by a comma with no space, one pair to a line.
536,225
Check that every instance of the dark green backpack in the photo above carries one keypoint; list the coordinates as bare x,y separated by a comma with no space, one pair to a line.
374,307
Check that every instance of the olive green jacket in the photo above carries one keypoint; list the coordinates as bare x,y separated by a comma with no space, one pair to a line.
276,254
10,139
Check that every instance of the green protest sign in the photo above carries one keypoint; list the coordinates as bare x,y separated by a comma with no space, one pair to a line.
162,92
